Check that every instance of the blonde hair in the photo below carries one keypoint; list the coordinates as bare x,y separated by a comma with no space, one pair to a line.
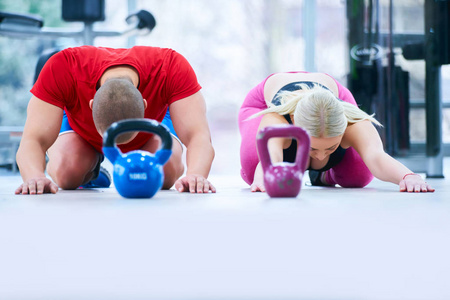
319,112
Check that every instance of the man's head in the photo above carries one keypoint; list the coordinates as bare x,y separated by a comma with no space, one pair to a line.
117,99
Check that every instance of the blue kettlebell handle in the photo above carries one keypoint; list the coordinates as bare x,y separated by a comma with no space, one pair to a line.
147,125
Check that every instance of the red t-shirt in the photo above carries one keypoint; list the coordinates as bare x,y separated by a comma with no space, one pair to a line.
69,78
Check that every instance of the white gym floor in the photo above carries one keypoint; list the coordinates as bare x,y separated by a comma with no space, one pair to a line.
328,243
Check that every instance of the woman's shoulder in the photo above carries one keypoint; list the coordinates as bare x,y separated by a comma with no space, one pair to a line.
356,132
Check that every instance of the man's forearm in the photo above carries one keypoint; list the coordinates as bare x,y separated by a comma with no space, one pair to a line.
199,158
31,160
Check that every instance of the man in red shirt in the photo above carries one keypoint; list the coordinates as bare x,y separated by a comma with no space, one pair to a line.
82,90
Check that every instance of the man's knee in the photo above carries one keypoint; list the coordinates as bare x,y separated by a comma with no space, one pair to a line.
171,175
174,168
71,161
67,175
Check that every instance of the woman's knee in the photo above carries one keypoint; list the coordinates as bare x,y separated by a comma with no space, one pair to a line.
351,172
246,178
357,181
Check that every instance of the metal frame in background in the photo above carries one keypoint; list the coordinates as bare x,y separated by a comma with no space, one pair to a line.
16,25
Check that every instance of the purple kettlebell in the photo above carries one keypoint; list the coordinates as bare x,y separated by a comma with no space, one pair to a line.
283,179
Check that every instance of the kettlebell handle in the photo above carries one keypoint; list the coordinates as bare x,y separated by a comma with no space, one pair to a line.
146,125
303,144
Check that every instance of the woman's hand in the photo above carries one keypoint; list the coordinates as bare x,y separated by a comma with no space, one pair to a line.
258,180
414,183
257,186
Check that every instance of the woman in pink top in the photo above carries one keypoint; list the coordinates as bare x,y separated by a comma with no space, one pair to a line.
346,148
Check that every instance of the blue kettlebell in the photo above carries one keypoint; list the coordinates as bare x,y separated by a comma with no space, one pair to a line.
137,174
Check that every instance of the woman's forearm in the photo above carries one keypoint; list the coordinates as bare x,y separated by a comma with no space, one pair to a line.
386,168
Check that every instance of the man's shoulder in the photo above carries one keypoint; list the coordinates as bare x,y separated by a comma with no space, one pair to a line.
159,51
136,51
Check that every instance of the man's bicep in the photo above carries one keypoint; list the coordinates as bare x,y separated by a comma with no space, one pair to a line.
189,117
43,122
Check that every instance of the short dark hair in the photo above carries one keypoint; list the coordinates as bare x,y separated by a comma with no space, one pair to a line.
117,99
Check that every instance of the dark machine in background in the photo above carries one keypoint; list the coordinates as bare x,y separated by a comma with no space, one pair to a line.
377,83
382,87
437,52
83,10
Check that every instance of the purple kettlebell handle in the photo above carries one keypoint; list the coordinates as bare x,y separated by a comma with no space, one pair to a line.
303,144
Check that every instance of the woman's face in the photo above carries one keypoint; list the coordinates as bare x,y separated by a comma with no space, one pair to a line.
321,148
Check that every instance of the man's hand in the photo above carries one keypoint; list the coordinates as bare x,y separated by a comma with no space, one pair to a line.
40,185
191,125
194,184
40,132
